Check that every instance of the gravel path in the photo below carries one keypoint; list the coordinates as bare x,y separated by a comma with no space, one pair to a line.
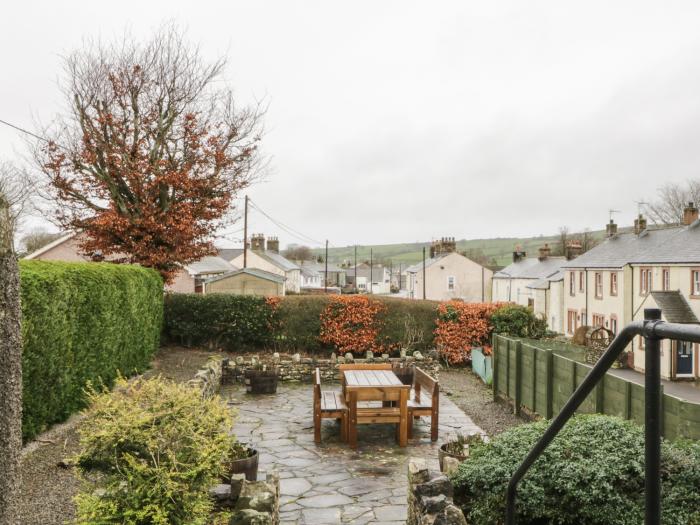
47,486
469,393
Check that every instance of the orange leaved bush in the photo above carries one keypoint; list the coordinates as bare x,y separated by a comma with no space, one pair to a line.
352,323
461,326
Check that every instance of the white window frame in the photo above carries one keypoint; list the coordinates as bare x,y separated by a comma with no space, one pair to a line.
453,280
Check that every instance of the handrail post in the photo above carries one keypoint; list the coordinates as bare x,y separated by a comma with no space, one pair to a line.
652,418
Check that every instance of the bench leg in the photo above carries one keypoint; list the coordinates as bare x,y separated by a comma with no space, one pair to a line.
403,426
352,425
317,427
410,428
344,428
434,425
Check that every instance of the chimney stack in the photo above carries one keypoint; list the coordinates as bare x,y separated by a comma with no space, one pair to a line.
273,244
518,254
444,245
611,229
573,249
545,251
257,242
690,214
640,224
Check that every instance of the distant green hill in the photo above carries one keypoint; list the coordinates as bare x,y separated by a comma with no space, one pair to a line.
500,249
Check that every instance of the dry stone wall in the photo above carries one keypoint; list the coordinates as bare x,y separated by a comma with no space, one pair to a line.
430,497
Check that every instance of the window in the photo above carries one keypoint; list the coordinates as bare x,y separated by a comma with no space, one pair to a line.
572,283
613,324
613,283
584,316
581,281
695,282
644,281
598,320
641,343
451,283
666,279
598,285
571,321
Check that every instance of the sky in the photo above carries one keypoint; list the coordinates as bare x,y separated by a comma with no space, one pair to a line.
407,121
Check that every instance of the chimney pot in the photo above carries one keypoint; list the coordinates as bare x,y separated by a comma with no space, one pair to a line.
640,224
545,251
611,229
257,242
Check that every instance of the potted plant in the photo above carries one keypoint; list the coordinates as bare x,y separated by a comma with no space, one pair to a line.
241,460
459,447
260,380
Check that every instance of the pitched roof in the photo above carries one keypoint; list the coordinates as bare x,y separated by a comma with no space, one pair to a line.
674,306
209,264
229,253
678,244
278,260
50,246
531,268
544,283
262,274
321,267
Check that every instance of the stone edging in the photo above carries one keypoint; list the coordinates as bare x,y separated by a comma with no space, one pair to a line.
430,496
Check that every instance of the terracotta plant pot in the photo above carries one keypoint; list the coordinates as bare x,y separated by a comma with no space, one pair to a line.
261,381
247,466
442,454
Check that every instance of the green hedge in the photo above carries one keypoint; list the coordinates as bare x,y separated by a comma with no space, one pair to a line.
81,323
243,322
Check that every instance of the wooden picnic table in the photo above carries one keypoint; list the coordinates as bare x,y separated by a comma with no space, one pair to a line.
376,385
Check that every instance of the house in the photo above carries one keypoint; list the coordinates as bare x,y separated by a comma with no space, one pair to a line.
449,275
513,283
549,300
265,256
374,279
246,281
187,280
316,271
613,283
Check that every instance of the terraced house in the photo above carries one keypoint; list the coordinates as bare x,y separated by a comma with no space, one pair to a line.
613,283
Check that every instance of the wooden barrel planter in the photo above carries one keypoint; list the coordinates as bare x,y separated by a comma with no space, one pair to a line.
443,453
261,381
247,466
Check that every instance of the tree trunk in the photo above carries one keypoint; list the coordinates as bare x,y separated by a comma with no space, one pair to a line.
10,379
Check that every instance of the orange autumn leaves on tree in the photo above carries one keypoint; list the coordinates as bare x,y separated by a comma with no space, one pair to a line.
150,154
352,323
461,326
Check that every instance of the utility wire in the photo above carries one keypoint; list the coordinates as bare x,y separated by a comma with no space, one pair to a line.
31,134
287,229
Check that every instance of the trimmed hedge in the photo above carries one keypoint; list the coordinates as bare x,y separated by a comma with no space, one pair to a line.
292,323
82,323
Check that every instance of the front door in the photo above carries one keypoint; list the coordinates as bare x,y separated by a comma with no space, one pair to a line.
684,359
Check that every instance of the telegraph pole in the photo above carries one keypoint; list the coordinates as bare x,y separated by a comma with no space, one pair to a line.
245,234
371,274
325,273
356,268
423,272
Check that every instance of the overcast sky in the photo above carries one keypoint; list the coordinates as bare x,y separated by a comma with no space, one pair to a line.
404,121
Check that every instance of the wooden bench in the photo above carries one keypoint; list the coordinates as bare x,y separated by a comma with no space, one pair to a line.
328,405
425,402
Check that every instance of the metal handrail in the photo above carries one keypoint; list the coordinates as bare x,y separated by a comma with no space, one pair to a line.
653,330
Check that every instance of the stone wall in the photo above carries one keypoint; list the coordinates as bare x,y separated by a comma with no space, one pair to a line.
208,378
430,497
298,368
250,502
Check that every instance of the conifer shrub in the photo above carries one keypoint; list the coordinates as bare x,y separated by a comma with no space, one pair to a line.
518,321
81,323
149,452
592,473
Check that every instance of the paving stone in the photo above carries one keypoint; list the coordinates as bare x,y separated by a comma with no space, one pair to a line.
294,486
391,513
329,516
324,501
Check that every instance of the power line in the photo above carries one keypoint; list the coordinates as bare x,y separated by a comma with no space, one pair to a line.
288,229
31,134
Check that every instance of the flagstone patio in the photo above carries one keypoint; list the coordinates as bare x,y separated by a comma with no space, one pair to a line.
330,483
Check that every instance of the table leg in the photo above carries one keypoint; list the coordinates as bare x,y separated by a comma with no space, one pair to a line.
352,424
403,426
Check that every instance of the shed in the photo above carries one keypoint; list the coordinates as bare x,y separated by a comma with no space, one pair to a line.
246,281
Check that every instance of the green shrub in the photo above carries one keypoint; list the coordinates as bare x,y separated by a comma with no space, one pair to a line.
82,322
235,322
299,323
149,452
518,321
408,323
592,473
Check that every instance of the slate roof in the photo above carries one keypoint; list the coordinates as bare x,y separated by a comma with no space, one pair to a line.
273,257
229,253
321,267
210,264
250,271
544,283
678,244
674,307
531,268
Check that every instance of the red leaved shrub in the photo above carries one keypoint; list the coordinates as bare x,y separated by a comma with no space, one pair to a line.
352,323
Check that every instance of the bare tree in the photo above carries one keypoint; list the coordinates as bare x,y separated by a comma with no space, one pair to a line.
563,240
299,253
37,239
671,199
15,191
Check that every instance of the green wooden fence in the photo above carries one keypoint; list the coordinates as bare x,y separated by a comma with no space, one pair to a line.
541,381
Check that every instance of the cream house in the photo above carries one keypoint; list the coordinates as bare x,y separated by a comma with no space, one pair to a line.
266,256
246,281
613,283
449,275
374,279
549,300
